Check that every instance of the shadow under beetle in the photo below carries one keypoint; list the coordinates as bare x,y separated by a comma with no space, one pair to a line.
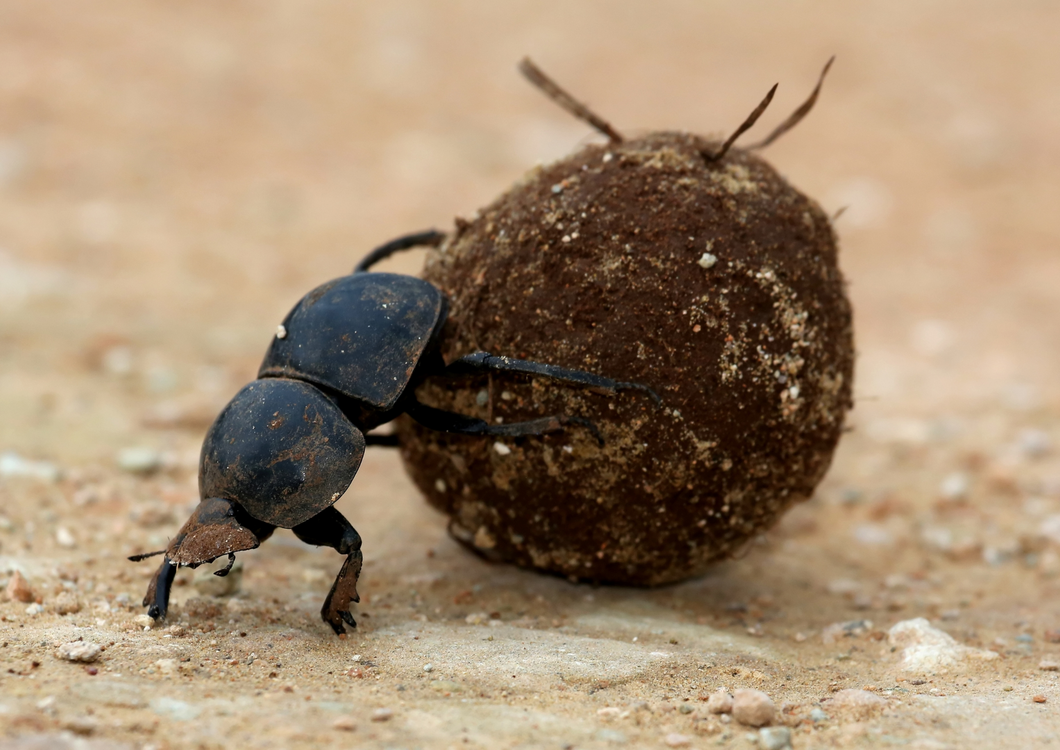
346,359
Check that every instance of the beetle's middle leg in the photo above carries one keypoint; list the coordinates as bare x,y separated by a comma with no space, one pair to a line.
448,421
486,362
329,528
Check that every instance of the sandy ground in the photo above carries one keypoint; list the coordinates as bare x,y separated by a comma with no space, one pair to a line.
173,176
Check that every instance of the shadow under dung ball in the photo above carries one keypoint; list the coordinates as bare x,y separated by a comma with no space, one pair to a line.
667,260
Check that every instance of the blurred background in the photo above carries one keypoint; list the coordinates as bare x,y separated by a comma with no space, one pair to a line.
174,176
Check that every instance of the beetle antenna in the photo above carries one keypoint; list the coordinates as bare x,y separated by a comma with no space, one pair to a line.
747,125
553,91
796,117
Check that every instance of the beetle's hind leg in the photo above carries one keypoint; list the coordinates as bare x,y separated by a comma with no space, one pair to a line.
329,528
486,362
216,528
448,421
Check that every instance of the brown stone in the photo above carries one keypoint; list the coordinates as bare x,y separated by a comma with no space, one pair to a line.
753,708
18,589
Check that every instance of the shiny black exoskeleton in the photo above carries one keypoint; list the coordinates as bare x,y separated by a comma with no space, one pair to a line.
346,359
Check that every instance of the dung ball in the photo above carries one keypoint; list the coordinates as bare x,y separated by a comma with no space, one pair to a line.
712,281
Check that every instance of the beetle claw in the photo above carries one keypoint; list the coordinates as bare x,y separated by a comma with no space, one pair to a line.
227,568
343,593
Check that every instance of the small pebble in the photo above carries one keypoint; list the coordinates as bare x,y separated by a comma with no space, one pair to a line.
609,712
859,703
849,629
281,333
817,716
82,725
774,738
719,702
34,609
65,604
13,465
1034,443
611,736
382,714
685,708
18,589
65,538
1039,698
753,708
677,740
954,486
428,667
139,460
344,724
1049,666
928,650
706,260
502,449
79,651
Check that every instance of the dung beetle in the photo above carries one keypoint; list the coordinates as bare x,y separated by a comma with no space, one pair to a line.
345,360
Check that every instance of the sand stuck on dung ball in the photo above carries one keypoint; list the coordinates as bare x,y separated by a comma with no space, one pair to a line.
710,280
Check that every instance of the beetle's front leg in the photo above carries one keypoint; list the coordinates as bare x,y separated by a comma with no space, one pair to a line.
329,528
157,598
217,527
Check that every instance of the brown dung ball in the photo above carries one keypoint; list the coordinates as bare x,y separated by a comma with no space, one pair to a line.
715,283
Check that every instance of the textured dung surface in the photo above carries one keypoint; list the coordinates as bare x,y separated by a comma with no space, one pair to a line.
602,262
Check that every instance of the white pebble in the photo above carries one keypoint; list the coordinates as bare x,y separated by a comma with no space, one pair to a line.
281,332
502,449
382,714
64,537
954,486
34,609
79,651
707,260
139,460
677,740
927,650
13,465
774,738
1034,443
439,484
428,667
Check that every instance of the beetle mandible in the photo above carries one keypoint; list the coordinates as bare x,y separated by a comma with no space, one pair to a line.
346,359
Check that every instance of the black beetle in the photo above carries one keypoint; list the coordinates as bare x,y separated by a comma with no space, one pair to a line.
346,359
